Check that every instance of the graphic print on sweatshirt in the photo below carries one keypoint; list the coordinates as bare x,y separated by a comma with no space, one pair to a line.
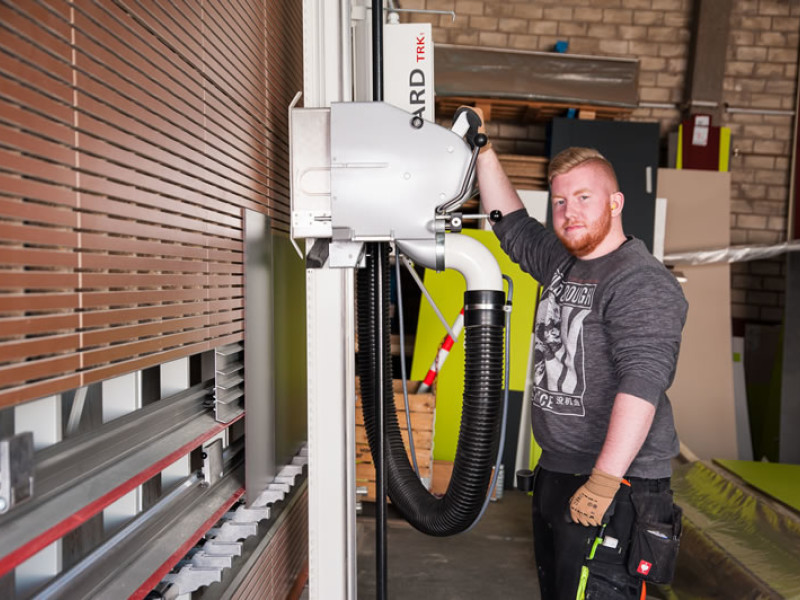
559,377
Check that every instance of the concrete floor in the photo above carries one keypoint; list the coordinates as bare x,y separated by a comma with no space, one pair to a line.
494,560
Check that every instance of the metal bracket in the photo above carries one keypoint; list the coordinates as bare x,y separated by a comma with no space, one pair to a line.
347,254
310,173
212,462
228,382
16,470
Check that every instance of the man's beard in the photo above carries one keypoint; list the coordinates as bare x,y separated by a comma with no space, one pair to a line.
591,238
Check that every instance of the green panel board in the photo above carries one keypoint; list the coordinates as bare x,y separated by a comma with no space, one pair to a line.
779,480
289,319
447,289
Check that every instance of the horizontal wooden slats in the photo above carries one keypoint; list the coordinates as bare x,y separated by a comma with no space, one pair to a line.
137,297
526,172
421,410
132,136
38,302
34,257
40,280
40,324
32,369
40,346
526,111
17,232
101,318
36,389
116,243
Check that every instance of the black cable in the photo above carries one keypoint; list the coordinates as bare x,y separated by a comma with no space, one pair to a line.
383,351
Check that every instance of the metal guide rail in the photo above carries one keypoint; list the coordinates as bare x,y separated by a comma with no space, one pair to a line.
189,538
133,561
79,477
230,552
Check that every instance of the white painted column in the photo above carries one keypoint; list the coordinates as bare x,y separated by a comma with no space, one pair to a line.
120,396
174,379
331,433
330,337
43,418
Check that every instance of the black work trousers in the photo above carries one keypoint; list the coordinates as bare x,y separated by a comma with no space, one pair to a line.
562,548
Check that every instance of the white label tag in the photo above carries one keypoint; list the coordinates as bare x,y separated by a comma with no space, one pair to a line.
408,68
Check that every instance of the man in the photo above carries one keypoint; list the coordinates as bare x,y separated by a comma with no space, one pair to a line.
600,412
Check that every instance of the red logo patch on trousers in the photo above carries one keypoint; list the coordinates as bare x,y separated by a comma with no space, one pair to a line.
644,567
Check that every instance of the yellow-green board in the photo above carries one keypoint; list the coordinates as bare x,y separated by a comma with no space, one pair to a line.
447,289
779,480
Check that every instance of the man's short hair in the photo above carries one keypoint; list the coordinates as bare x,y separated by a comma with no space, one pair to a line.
576,156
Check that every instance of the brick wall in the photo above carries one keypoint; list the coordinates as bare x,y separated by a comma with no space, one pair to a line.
760,73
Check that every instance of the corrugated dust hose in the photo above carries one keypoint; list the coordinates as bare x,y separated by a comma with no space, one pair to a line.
481,412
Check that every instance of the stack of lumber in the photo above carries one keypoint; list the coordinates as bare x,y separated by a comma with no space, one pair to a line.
528,111
525,172
422,410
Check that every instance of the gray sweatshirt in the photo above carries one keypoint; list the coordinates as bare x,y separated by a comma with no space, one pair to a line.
603,326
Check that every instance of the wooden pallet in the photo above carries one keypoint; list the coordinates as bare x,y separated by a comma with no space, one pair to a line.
422,409
525,172
527,111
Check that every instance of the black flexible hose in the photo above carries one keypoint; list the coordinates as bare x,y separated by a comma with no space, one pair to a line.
480,418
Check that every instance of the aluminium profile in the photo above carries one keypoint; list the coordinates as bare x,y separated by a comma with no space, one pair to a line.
228,382
135,560
77,478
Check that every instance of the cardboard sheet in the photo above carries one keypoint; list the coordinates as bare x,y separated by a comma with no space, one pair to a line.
702,395
698,209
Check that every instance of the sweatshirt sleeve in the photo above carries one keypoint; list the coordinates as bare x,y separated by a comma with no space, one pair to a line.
645,318
528,243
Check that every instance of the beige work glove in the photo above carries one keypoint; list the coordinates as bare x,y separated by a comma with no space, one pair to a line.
588,505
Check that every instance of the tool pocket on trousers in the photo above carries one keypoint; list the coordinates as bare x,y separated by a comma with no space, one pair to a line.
607,575
609,582
617,533
655,539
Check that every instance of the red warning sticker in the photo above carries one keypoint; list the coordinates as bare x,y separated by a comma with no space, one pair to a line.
644,567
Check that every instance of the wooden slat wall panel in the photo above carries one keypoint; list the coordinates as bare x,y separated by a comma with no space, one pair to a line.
132,136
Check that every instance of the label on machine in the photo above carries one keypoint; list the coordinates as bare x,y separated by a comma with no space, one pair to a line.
408,68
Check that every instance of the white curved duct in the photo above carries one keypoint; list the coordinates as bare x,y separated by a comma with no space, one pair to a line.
461,253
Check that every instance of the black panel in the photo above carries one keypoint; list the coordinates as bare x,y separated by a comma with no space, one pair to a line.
790,385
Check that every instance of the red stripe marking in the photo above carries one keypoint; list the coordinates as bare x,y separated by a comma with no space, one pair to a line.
158,575
448,343
59,530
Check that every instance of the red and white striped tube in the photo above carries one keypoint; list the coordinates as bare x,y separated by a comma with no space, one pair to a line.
469,257
441,356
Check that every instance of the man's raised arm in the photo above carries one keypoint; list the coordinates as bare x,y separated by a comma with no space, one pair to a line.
497,193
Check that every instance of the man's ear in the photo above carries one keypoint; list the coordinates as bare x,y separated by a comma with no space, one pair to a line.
617,202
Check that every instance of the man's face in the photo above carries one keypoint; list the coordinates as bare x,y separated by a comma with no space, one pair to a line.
582,208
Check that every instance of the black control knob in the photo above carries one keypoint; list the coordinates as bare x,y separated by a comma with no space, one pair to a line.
495,216
481,140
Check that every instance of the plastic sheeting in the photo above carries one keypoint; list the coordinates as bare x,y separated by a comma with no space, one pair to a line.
730,255
757,536
537,76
